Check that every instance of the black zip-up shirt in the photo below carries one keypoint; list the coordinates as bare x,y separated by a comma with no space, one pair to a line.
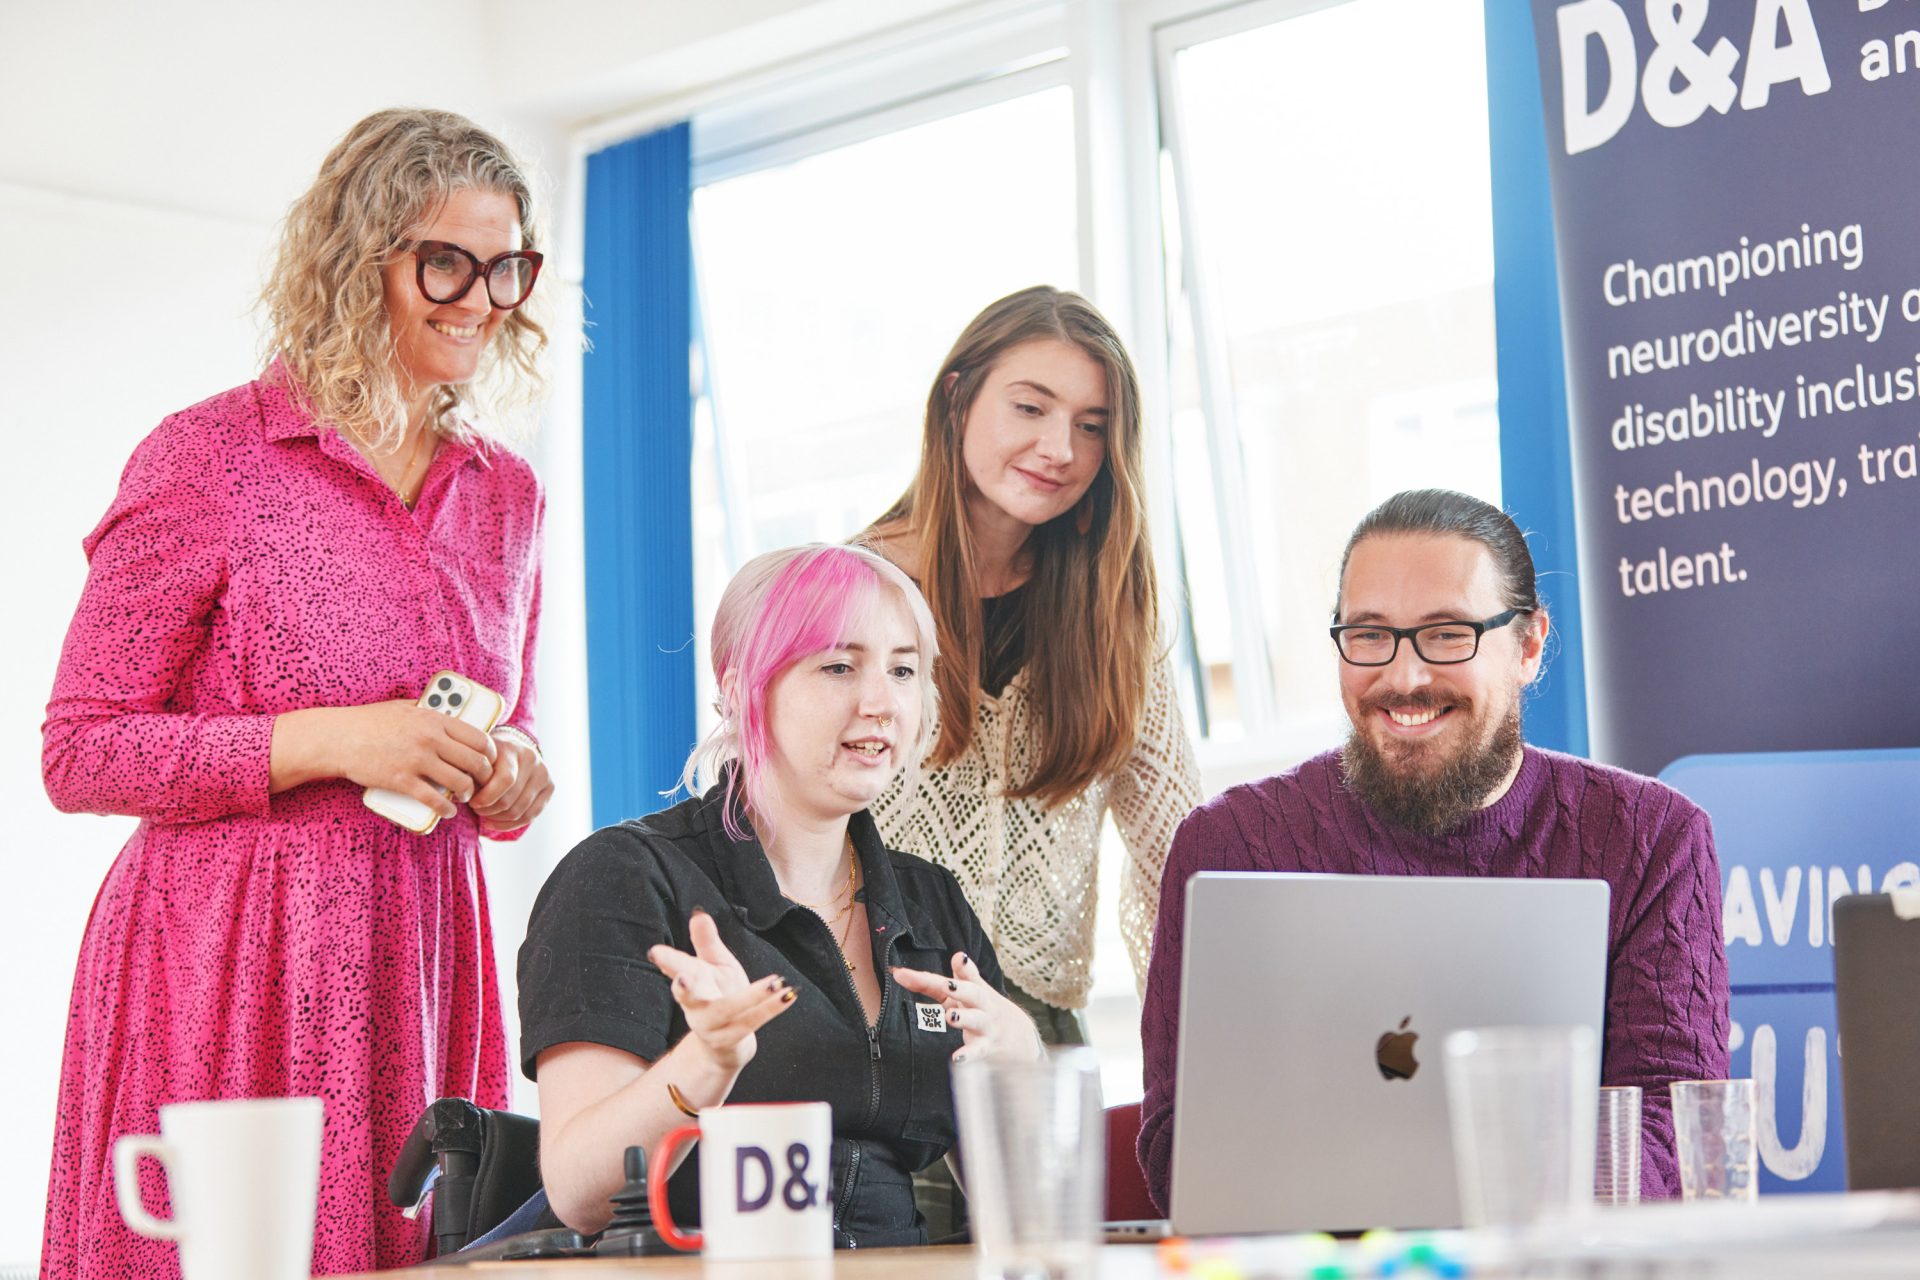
585,976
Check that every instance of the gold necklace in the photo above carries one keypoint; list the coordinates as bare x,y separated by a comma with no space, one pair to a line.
820,908
406,477
847,928
843,917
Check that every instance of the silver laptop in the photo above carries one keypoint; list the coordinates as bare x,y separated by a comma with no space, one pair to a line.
1313,1009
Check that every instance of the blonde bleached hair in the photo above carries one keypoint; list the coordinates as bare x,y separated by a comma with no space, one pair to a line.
328,325
780,608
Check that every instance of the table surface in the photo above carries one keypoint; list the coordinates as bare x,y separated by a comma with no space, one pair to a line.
1865,1236
937,1262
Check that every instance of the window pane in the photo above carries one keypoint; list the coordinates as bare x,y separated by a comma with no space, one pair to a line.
1339,206
831,289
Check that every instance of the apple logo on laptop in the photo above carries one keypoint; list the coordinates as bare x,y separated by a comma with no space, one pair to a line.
1394,1052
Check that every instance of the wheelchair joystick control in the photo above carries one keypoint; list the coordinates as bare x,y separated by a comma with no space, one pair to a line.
632,1233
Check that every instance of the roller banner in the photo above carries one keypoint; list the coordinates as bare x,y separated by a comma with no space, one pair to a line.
1738,231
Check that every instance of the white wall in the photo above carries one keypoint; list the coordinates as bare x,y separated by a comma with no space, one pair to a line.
148,152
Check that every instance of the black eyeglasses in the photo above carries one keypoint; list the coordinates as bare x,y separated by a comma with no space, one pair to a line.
1368,644
445,272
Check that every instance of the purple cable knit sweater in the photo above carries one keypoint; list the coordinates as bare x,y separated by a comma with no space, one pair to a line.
1666,1015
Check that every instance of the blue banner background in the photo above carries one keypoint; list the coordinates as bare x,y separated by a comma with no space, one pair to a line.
1802,648
1794,831
1775,691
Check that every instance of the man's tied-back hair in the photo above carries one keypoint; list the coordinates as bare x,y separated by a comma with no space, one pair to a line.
1445,511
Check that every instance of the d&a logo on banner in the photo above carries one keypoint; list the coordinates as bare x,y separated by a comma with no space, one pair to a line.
1740,296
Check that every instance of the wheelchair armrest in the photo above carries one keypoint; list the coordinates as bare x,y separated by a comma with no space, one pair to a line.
488,1164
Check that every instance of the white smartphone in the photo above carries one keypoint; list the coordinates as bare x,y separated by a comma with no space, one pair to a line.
450,694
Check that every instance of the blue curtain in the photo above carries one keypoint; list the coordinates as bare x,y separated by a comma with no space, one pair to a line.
638,443
1536,459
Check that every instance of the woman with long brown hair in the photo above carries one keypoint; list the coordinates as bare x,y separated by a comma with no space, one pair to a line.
1026,529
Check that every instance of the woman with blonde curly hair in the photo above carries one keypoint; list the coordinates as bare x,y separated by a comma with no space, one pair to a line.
283,570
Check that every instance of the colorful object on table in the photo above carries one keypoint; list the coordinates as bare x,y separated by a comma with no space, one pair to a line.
1318,1256
1219,1268
1330,1265
1380,1252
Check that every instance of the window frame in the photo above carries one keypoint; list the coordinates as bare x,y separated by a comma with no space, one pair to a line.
1117,57
793,122
1268,739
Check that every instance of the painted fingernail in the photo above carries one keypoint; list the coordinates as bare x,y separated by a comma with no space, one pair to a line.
953,1019
952,985
966,959
776,982
786,997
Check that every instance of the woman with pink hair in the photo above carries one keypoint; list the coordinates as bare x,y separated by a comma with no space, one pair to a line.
759,943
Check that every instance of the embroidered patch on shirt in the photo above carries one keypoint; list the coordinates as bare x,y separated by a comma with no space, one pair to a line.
932,1017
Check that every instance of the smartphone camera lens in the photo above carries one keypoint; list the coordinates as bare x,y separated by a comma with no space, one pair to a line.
433,700
453,699
445,684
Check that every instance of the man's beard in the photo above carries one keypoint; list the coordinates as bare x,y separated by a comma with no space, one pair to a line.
1431,801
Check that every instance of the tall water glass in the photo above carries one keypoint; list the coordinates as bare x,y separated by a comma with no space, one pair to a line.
1616,1161
1520,1100
1033,1137
1713,1129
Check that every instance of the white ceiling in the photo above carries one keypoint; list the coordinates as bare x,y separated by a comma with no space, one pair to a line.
223,108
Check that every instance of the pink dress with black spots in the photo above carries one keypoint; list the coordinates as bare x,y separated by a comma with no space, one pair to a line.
255,945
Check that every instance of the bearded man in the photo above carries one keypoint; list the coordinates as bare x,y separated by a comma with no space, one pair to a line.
1438,630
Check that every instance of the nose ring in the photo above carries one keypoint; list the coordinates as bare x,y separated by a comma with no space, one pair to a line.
885,722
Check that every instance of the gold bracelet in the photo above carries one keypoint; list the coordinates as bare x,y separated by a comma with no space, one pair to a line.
680,1101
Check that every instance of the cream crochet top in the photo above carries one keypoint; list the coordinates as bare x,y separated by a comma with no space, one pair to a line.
1031,873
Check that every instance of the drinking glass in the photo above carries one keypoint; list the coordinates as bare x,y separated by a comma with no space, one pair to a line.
1616,1161
1033,1137
1520,1103
1713,1129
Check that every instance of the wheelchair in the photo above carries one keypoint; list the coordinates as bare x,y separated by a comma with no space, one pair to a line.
481,1169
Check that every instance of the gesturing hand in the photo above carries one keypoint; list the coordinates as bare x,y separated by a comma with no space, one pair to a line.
723,1009
990,1024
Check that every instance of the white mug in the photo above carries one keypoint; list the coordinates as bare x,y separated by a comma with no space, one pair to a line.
244,1178
766,1181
